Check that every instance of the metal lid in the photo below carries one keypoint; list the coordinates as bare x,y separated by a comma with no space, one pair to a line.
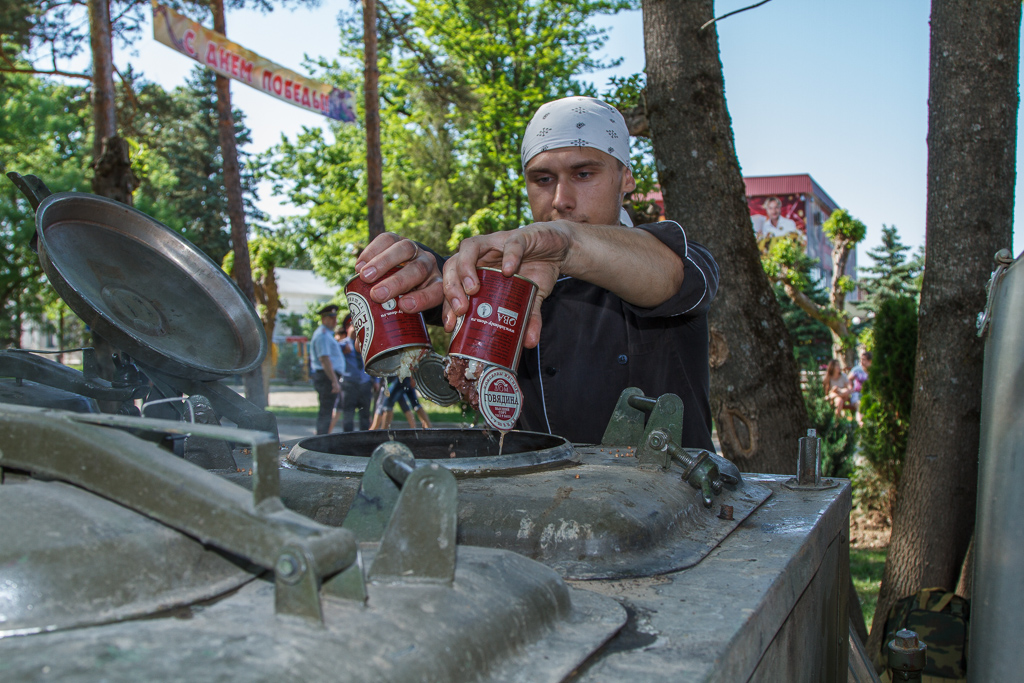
147,290
431,382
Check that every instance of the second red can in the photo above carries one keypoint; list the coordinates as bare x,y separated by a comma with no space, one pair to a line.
391,340
493,329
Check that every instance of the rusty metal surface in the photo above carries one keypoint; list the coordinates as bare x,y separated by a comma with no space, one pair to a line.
503,619
734,616
598,516
68,558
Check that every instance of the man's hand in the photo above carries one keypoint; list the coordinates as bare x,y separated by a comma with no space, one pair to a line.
417,285
537,252
631,263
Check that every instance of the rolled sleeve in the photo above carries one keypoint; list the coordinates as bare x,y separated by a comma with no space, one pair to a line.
700,274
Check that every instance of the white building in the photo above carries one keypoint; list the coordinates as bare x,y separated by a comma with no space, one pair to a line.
298,290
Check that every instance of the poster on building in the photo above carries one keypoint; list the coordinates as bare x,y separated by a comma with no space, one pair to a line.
214,51
777,216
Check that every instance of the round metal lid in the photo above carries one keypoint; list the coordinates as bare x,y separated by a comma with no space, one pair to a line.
466,452
147,290
431,382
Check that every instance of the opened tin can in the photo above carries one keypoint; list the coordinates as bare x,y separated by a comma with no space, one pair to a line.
493,328
392,341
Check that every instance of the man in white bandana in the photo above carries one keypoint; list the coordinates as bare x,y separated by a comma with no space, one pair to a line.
622,306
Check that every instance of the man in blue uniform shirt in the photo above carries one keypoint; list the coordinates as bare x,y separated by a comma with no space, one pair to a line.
327,364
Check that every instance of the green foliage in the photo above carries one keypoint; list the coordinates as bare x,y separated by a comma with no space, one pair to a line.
458,83
627,91
838,435
810,337
893,273
176,157
887,395
483,222
293,323
43,130
787,261
841,226
289,363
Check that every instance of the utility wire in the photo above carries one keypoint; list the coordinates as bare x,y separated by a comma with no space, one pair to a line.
729,14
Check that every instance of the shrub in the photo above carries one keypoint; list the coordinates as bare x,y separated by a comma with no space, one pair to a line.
887,395
289,363
838,436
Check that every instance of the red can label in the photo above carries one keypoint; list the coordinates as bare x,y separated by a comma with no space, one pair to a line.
492,330
501,400
382,328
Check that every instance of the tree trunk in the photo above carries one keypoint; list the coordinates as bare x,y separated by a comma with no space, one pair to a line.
374,182
840,330
254,390
755,389
112,171
270,301
972,133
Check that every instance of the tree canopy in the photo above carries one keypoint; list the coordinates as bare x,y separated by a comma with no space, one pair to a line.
458,82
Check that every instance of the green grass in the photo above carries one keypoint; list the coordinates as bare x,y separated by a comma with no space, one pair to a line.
866,565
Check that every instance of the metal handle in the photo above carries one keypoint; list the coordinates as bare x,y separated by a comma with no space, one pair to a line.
35,190
141,477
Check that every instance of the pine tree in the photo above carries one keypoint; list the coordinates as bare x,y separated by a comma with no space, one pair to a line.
892,274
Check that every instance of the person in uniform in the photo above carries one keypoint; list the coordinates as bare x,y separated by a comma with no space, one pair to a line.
617,306
328,365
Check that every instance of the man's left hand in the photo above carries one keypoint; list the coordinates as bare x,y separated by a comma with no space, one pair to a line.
537,252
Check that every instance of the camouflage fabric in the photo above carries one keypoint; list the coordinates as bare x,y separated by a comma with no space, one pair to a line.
940,620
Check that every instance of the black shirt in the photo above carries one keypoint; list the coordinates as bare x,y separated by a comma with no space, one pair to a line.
593,345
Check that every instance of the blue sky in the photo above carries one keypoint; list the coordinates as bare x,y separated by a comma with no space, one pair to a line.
835,89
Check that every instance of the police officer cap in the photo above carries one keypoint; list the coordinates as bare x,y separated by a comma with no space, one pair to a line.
329,309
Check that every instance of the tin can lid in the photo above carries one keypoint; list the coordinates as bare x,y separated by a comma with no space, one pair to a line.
501,399
431,382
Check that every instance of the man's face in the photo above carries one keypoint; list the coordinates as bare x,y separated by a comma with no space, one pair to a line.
579,184
774,210
329,321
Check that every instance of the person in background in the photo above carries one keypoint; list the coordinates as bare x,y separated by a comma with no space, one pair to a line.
380,421
837,387
404,394
328,364
857,377
357,386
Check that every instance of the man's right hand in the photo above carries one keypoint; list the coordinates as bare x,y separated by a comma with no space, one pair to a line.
417,285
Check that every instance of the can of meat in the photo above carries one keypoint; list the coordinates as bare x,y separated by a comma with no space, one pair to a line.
492,330
392,341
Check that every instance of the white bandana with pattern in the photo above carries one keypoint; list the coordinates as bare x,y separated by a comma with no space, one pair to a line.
578,122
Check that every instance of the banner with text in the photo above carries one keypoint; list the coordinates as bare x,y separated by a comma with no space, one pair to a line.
216,52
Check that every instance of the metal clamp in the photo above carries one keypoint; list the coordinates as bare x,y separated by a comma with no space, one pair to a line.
1003,259
411,511
699,469
636,416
